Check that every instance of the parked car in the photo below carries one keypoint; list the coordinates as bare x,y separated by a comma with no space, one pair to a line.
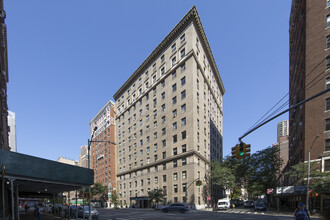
85,212
181,207
223,204
249,204
260,206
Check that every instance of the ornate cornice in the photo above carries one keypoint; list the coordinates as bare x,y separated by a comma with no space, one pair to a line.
191,16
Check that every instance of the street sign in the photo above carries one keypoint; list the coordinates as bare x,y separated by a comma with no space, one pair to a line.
270,191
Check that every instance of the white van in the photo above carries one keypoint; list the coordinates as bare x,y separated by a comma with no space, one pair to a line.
223,204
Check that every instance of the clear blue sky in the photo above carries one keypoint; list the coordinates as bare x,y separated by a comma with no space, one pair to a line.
68,57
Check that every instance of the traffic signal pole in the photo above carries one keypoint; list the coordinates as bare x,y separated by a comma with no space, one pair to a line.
295,106
186,193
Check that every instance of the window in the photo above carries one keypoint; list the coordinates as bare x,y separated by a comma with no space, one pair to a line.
154,67
155,147
175,151
328,62
154,91
162,71
148,160
164,166
175,138
183,108
182,53
183,67
183,94
182,38
328,3
147,107
326,165
147,96
184,148
162,59
146,74
164,155
163,131
173,75
175,163
175,176
184,161
164,178
155,124
327,124
328,41
183,81
327,83
163,83
163,119
173,47
183,121
148,150
184,175
173,61
155,102
155,135
174,113
164,143
184,187
327,104
175,188
174,87
154,78
163,95
184,135
175,126
155,113
327,145
155,159
174,100
163,107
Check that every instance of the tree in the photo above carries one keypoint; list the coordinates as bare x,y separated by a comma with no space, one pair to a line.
114,199
319,181
262,168
156,195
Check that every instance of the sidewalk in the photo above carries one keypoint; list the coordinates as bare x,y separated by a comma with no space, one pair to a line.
30,216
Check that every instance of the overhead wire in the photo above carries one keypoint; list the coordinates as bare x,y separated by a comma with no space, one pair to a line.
261,120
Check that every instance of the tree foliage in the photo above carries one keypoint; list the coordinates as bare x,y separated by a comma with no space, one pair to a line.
319,181
156,195
262,168
114,198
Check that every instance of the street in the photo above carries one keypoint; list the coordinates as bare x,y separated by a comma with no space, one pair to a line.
144,214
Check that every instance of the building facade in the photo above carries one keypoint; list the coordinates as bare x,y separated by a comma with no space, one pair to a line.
83,156
103,153
12,131
283,146
4,141
169,120
309,75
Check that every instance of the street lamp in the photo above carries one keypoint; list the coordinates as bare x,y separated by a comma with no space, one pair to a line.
308,171
89,166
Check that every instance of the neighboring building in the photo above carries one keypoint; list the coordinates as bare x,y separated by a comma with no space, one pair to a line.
70,162
83,157
12,131
103,153
4,142
283,145
309,75
169,120
67,161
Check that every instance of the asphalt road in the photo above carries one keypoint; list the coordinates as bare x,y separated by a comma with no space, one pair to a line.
146,214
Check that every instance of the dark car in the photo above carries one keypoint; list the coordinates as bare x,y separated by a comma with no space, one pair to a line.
260,206
181,207
249,204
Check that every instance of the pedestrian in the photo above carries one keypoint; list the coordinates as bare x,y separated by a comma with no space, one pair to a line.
39,212
301,212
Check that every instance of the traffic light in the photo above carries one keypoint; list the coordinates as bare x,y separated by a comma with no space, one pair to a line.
198,182
241,150
234,151
247,150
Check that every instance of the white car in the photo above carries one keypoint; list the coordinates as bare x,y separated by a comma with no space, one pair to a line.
94,212
223,204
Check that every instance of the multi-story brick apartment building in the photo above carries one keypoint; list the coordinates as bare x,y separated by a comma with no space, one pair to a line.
169,119
309,75
103,153
4,80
